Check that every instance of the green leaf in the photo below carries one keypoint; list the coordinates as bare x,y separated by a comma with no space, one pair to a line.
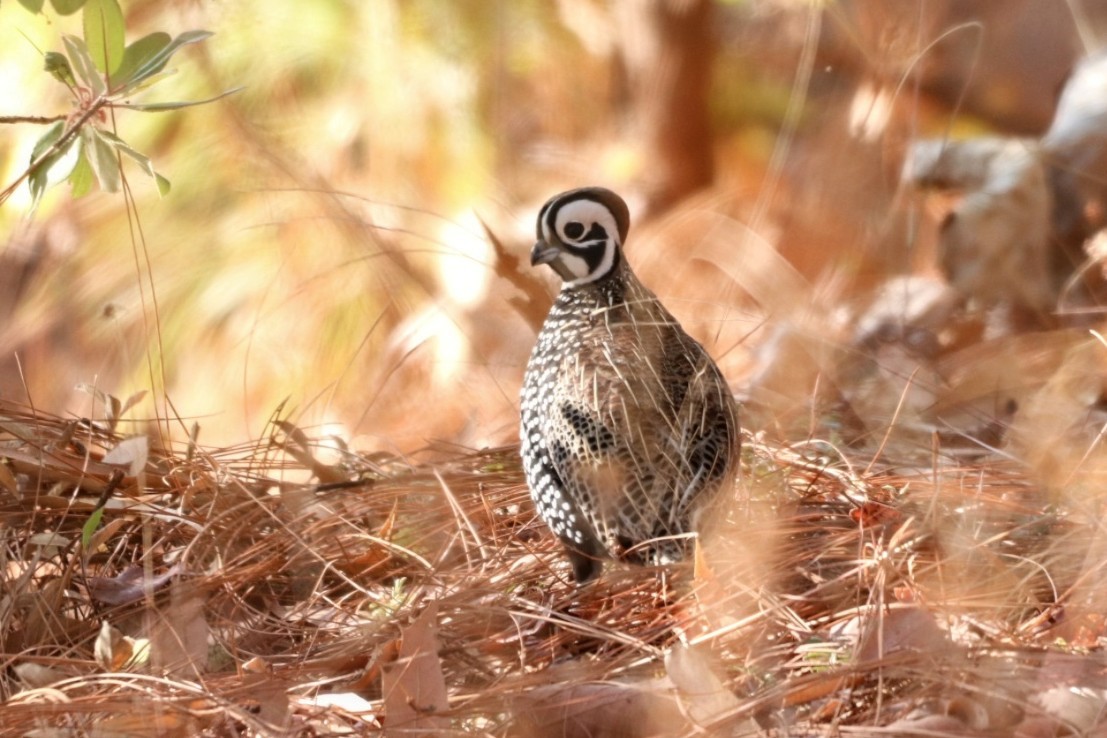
157,62
50,163
58,67
90,526
48,139
37,182
143,160
37,179
35,6
104,29
138,54
83,65
67,7
82,177
162,107
54,168
145,82
102,158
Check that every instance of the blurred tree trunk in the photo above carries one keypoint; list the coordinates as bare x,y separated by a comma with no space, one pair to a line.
666,49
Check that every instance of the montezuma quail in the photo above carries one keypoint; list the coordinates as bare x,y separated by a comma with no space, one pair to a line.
628,428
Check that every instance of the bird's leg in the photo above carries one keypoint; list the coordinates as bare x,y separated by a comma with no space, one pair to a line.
585,567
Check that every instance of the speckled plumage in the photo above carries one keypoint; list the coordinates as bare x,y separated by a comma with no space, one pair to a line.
628,428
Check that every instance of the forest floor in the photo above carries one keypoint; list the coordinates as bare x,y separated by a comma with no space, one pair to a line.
189,591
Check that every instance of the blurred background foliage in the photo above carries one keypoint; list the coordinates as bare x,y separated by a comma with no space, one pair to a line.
323,246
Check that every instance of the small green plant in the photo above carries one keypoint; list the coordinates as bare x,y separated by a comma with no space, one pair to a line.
102,72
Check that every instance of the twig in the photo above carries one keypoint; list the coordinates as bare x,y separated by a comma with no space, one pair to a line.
39,119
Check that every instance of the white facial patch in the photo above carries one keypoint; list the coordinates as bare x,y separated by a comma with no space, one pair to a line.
587,213
577,266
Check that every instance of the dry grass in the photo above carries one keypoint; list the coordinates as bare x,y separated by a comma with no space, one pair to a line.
832,597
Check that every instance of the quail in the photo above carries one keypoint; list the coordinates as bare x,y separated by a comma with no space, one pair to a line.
628,429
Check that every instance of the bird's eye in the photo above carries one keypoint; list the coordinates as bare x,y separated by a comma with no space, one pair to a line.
574,230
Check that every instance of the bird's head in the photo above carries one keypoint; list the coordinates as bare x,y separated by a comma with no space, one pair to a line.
581,233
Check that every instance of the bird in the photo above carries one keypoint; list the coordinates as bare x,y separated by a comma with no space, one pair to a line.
628,430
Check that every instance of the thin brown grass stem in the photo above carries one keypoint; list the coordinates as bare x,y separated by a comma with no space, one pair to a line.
463,519
892,423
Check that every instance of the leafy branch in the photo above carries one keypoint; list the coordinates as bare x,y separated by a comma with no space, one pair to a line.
101,72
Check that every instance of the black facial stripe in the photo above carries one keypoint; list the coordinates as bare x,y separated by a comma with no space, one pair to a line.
597,233
541,220
593,254
590,251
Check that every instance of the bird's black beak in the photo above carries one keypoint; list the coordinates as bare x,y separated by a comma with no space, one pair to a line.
542,253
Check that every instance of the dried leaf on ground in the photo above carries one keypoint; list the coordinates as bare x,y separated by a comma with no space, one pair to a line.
414,688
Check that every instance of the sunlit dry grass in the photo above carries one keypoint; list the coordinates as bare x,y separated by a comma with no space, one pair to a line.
829,594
